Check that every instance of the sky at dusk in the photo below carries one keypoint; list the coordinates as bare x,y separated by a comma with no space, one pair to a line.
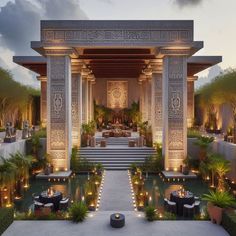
214,23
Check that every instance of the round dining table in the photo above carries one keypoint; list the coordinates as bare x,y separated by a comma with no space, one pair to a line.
181,200
55,198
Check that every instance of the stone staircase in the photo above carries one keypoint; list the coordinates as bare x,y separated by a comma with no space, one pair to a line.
115,141
117,155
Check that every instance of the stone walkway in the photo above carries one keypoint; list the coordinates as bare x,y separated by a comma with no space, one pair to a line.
98,225
116,193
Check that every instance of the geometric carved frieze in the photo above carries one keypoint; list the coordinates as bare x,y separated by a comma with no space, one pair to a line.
57,136
57,105
57,154
175,68
115,35
175,139
58,71
175,155
175,101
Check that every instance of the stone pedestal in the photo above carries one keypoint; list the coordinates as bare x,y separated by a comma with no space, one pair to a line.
59,109
174,110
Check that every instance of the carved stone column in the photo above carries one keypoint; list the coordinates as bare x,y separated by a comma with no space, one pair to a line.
59,109
91,80
76,111
43,100
156,106
174,110
142,79
148,98
190,111
85,95
89,99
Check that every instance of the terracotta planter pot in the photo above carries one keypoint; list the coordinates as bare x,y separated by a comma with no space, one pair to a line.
215,213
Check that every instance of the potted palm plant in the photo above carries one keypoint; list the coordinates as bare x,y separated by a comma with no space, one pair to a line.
217,202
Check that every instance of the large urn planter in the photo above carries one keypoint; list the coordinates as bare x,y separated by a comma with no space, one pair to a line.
185,170
215,213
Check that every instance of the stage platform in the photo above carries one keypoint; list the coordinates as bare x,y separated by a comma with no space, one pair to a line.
178,175
60,175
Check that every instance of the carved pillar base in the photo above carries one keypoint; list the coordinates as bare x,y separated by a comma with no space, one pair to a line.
174,111
59,110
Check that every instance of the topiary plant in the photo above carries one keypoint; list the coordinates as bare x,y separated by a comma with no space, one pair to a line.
78,212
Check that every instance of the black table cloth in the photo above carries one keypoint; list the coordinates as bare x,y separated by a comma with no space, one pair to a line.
55,199
180,201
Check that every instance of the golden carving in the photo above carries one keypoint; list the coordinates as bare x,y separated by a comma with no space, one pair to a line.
117,94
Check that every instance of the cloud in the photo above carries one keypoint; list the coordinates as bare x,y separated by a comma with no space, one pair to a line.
185,3
20,23
20,20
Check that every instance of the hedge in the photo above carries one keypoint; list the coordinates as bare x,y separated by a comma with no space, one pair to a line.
229,222
6,218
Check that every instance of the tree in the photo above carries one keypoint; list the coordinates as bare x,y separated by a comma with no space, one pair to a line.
7,181
14,98
220,91
23,165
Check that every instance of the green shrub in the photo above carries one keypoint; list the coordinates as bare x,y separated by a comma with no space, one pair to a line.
32,216
168,216
6,218
193,133
229,222
150,213
78,211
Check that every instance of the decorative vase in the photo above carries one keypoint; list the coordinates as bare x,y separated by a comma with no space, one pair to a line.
185,170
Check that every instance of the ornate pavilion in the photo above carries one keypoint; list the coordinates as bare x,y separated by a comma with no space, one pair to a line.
115,63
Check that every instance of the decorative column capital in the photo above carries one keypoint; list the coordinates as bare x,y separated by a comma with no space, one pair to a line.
91,77
42,78
192,78
141,78
148,71
176,52
156,66
85,71
61,52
